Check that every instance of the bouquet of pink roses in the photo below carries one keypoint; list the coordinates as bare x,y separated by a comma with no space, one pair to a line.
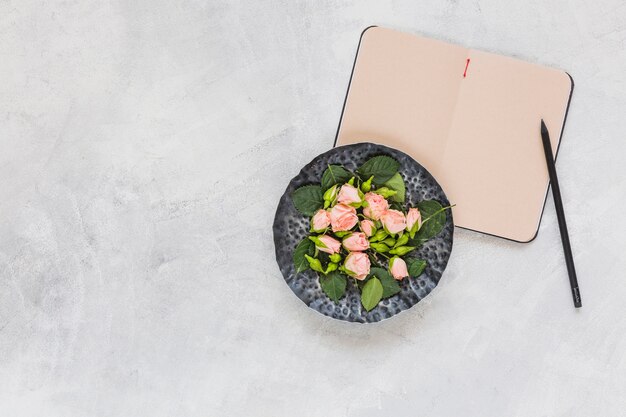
360,228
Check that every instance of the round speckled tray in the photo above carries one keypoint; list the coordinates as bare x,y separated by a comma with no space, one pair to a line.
290,227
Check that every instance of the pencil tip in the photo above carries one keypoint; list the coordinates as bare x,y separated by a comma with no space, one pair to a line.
544,129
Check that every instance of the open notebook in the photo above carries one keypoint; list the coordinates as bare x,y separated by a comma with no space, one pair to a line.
475,125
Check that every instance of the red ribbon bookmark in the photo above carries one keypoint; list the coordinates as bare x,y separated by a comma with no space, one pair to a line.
466,65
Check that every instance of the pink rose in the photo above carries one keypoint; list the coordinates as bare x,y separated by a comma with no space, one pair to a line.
376,206
320,221
355,242
367,226
413,217
393,221
331,245
357,265
343,217
397,267
348,194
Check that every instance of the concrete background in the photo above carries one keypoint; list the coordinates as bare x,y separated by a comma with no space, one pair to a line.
144,146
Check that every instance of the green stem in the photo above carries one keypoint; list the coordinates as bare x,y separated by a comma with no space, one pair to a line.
381,254
331,173
437,212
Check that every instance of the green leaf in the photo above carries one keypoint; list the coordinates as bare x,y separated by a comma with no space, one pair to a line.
396,183
416,267
390,285
305,247
381,167
372,293
333,285
335,174
308,199
433,221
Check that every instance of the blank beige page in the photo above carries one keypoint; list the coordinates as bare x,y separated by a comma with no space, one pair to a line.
478,135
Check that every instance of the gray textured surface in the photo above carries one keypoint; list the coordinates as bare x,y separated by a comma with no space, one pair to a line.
144,146
290,227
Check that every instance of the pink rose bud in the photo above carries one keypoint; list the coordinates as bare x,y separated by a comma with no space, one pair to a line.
320,221
413,217
393,221
332,245
376,206
343,217
367,226
397,267
348,194
356,242
357,265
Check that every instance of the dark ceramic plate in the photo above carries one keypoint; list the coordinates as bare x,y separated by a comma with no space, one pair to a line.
290,227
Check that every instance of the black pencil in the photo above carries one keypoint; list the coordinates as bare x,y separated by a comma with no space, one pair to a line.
556,193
